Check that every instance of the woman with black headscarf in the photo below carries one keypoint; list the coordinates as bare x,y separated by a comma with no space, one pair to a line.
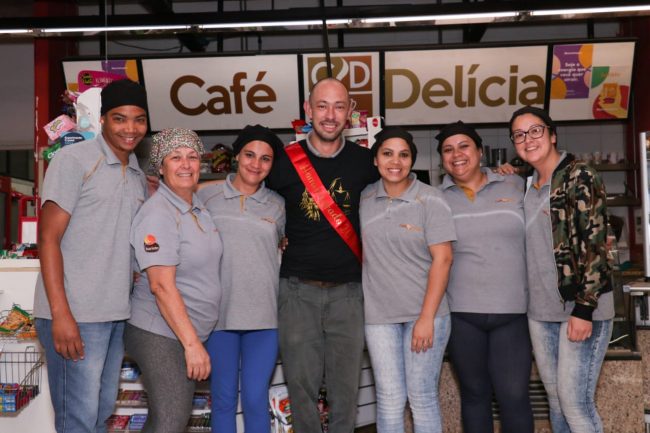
244,345
489,344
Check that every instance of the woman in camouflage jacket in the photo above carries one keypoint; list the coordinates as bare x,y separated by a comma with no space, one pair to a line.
570,306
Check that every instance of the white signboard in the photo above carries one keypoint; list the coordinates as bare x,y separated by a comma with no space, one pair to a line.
358,71
218,93
479,85
591,81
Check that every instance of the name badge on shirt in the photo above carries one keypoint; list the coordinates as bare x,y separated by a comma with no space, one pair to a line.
150,244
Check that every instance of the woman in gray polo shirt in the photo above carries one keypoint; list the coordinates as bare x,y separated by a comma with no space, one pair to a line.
407,229
489,344
244,346
571,303
175,302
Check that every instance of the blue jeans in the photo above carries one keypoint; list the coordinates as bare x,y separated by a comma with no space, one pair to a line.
321,334
570,373
256,353
84,392
400,373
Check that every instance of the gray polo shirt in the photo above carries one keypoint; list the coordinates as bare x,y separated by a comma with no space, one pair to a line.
396,235
101,196
488,274
545,303
251,228
169,232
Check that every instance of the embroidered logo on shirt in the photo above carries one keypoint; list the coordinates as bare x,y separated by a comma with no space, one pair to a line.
411,227
504,200
150,244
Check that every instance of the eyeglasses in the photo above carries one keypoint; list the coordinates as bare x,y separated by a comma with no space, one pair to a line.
535,131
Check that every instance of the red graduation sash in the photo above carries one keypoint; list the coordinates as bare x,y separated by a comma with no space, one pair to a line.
334,215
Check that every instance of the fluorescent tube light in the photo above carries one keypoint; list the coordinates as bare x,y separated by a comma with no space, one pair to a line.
439,17
113,29
14,31
262,24
603,10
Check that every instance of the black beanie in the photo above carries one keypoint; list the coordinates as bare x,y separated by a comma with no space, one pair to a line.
395,132
257,132
455,129
123,92
542,114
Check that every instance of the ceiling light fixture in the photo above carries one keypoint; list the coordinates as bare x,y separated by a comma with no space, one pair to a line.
451,17
14,31
603,10
114,29
261,24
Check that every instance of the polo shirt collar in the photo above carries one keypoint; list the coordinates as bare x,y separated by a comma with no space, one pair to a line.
313,150
111,158
409,195
179,203
229,191
448,181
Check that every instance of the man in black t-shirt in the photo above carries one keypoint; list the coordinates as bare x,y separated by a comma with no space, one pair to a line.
320,306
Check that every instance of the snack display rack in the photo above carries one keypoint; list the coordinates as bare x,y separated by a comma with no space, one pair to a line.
22,360
20,379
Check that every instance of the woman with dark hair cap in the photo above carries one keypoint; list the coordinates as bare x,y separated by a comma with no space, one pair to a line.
489,344
571,304
407,230
244,345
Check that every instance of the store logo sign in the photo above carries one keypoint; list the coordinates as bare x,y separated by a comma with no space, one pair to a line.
359,72
222,93
466,88
225,99
475,85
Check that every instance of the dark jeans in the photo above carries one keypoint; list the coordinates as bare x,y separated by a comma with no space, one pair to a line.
321,334
492,352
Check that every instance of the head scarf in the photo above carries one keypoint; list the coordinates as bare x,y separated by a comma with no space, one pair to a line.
458,128
170,139
257,132
395,132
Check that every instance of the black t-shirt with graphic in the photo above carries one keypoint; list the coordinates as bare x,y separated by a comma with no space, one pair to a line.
315,250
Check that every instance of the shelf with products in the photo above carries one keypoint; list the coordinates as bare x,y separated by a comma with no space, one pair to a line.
131,406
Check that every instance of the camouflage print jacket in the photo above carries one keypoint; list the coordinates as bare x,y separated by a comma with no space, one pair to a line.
579,219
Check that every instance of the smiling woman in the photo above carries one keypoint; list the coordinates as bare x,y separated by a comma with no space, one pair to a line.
250,218
571,307
487,291
175,302
406,232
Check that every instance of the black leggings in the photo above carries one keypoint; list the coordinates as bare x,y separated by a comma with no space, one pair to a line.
492,352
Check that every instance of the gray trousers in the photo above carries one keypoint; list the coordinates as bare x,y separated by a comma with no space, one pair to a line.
321,337
164,374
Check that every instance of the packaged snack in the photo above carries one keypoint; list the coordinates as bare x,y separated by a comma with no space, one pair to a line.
130,371
137,421
280,408
221,156
118,422
58,126
16,318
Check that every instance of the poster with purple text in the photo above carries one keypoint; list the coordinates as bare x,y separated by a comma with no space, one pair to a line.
591,81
